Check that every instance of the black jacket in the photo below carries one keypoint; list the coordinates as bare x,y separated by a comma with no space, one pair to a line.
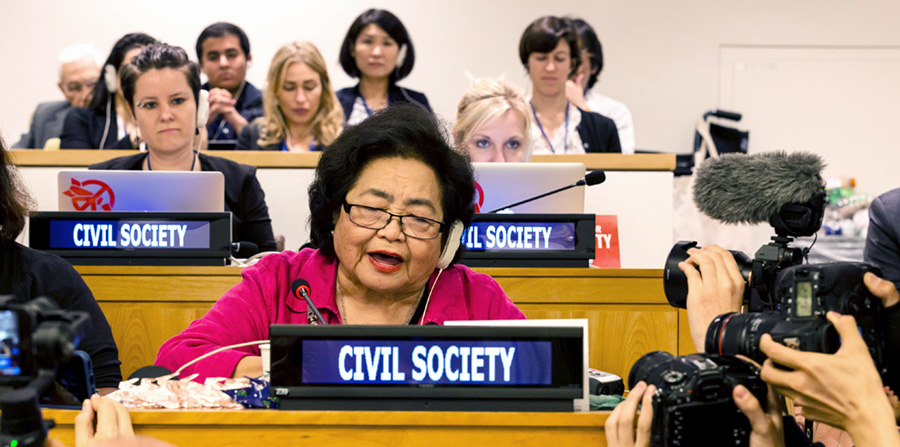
244,196
598,133
396,95
83,129
28,274
249,105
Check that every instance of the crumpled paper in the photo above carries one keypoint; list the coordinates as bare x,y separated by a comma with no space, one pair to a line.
162,392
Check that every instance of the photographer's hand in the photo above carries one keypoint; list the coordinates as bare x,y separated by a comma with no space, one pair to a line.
842,390
882,288
619,427
715,289
768,428
113,422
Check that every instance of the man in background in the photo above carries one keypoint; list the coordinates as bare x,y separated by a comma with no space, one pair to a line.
224,52
78,72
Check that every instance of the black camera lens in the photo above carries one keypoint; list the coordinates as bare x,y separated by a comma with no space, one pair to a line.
675,282
736,333
739,334
649,365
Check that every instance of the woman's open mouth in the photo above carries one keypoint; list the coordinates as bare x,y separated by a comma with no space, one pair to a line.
386,261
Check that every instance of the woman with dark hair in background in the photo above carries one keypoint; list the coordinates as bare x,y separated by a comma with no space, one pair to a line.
106,123
27,274
378,51
580,85
162,89
301,110
549,51
388,205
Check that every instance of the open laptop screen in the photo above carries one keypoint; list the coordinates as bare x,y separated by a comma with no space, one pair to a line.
141,191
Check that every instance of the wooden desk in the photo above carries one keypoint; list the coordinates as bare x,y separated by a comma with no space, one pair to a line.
334,428
626,309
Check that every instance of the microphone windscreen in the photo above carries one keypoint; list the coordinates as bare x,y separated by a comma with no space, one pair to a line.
297,285
594,178
740,188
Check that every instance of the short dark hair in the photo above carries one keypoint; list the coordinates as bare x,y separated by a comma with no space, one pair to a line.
157,57
116,57
544,34
14,200
405,131
222,29
393,27
591,44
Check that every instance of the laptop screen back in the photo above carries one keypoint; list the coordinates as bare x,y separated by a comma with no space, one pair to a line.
141,191
501,184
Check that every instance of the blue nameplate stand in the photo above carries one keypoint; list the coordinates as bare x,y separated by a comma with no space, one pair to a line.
133,238
427,368
529,240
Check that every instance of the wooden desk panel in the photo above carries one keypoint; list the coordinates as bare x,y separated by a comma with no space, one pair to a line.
364,428
626,309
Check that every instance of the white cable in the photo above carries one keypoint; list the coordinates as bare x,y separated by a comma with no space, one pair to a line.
106,127
251,260
430,292
239,345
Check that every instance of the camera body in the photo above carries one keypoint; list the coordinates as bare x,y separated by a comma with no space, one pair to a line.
693,404
805,293
34,338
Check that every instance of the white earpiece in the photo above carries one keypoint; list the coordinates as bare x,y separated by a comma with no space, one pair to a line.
453,240
401,56
109,77
202,108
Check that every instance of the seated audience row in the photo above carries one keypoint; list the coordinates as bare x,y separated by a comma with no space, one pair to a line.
377,50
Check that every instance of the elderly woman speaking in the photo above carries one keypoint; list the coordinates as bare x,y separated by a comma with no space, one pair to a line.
388,205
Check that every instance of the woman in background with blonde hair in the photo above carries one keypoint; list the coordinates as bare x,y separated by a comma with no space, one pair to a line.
492,122
302,113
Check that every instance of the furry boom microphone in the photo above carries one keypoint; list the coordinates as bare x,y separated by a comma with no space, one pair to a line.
738,188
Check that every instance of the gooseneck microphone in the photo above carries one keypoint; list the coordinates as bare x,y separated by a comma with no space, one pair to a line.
300,289
592,178
739,188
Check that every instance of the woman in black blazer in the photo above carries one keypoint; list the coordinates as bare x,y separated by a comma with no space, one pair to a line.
162,89
378,51
97,126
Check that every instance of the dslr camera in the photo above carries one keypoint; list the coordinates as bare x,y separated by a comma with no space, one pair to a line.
34,338
805,294
693,404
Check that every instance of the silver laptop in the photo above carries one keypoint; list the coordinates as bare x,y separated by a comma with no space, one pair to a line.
141,191
501,184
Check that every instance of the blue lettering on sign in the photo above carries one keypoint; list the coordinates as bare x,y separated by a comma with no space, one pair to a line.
418,362
128,234
522,236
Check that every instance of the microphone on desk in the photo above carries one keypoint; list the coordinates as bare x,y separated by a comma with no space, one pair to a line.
300,288
244,249
592,178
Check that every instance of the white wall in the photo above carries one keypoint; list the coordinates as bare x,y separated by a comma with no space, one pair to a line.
662,56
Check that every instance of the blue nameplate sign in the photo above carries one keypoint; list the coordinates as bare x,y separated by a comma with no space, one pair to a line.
529,240
128,234
519,236
437,362
138,238
339,367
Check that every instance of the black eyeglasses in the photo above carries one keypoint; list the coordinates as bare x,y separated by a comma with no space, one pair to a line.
376,219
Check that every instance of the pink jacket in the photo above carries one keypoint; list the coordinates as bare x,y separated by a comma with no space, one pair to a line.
264,297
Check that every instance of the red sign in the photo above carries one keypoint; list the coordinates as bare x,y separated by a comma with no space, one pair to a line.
606,238
91,194
479,197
